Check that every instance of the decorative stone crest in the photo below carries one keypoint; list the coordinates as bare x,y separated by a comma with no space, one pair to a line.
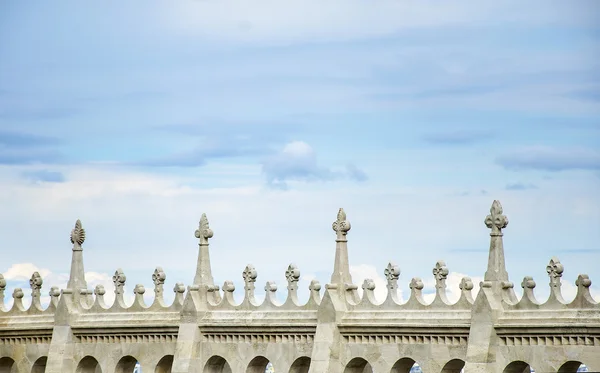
416,284
99,290
35,282
203,232
496,221
368,284
249,275
158,278
77,235
392,274
270,286
341,226
555,270
466,284
228,286
18,293
119,279
583,281
179,288
440,271
528,283
139,289
292,274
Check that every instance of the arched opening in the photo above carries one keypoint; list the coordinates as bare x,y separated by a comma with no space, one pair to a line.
88,365
572,367
301,365
7,365
40,365
128,364
518,367
358,365
454,366
217,364
258,365
406,365
165,364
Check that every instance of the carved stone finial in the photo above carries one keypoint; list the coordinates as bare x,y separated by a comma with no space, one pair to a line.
99,290
466,284
583,281
119,279
292,274
203,232
496,221
416,284
555,270
139,289
270,286
229,286
35,282
368,284
392,274
158,277
314,285
18,293
341,226
2,282
528,283
249,274
440,271
78,234
179,288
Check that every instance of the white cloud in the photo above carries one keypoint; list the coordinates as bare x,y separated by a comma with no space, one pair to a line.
293,21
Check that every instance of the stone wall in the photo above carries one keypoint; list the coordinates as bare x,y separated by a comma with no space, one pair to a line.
336,330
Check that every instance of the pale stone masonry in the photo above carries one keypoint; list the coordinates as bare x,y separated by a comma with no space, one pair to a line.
336,330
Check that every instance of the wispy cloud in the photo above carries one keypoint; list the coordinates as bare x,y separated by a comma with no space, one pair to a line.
520,186
44,176
457,137
297,161
551,159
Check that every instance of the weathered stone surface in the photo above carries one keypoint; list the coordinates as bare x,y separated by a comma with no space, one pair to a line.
334,331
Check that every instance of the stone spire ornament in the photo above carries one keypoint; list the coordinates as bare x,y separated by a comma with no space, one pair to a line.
203,269
341,268
77,274
496,221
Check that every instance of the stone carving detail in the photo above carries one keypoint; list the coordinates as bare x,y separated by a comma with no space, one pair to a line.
270,286
440,271
341,226
496,221
555,270
179,288
139,289
78,234
99,290
18,293
315,285
292,274
368,284
466,284
228,286
249,275
203,232
158,278
583,281
35,282
416,284
528,283
392,274
119,279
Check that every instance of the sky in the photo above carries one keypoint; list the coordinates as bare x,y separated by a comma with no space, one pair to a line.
414,116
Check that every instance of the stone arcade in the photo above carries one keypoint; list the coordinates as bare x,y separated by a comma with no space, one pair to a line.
335,331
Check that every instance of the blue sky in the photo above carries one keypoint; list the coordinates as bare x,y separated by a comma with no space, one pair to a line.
269,116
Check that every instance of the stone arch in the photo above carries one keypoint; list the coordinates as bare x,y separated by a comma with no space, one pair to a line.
454,366
570,367
88,365
165,364
7,365
300,365
257,365
126,364
358,365
40,365
517,367
217,364
404,365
